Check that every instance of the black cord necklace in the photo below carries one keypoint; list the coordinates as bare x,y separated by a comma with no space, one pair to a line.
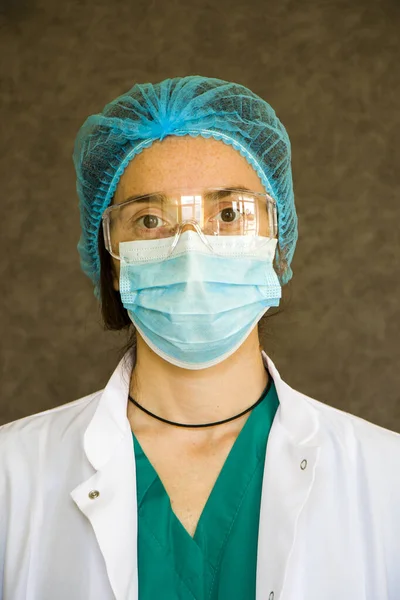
265,392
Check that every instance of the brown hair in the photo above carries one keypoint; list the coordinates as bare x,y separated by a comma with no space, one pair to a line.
116,318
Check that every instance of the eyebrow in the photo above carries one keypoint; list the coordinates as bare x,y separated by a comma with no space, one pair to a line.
161,197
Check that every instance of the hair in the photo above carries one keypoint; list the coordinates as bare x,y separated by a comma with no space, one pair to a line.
116,318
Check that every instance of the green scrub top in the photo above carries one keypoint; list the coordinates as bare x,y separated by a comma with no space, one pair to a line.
220,560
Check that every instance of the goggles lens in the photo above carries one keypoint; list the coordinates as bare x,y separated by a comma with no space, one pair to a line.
215,212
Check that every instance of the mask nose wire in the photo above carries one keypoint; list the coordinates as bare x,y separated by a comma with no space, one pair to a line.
198,231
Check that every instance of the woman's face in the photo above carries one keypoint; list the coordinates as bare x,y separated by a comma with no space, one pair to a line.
184,162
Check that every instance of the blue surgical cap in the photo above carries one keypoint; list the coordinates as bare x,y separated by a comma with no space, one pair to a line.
194,106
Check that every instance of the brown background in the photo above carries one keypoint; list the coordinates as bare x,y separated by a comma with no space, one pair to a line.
331,71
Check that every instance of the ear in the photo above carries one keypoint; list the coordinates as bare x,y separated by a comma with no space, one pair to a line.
115,283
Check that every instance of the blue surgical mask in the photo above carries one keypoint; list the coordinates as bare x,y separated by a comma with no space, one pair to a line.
196,307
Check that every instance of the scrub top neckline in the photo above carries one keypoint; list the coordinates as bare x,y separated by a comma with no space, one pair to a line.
252,422
197,561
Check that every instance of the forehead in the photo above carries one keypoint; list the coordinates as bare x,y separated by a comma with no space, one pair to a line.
186,162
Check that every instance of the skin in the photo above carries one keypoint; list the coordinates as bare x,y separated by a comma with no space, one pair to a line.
173,393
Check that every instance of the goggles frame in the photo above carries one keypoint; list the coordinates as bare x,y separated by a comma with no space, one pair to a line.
106,214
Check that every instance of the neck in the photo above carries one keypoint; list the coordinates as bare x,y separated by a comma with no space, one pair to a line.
196,397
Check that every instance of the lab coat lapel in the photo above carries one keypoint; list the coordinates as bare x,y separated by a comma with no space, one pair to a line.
108,497
291,460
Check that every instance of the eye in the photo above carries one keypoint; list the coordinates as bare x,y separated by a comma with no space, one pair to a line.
228,215
150,222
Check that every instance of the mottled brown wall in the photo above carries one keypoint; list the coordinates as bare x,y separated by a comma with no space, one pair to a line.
330,69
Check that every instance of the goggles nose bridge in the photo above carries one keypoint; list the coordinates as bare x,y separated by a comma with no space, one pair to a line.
192,223
196,227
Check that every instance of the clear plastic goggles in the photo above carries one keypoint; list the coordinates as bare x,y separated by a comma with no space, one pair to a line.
222,212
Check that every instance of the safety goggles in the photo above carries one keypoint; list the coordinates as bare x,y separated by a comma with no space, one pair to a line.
231,213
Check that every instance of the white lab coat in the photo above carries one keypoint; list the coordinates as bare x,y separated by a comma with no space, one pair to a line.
330,510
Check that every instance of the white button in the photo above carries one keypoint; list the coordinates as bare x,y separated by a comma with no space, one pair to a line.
303,464
94,494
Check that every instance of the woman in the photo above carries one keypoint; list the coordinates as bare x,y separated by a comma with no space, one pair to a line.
197,472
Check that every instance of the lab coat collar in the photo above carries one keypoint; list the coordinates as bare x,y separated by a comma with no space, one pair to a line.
296,414
109,423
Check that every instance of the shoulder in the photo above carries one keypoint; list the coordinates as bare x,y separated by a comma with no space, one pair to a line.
336,425
24,437
372,451
344,422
